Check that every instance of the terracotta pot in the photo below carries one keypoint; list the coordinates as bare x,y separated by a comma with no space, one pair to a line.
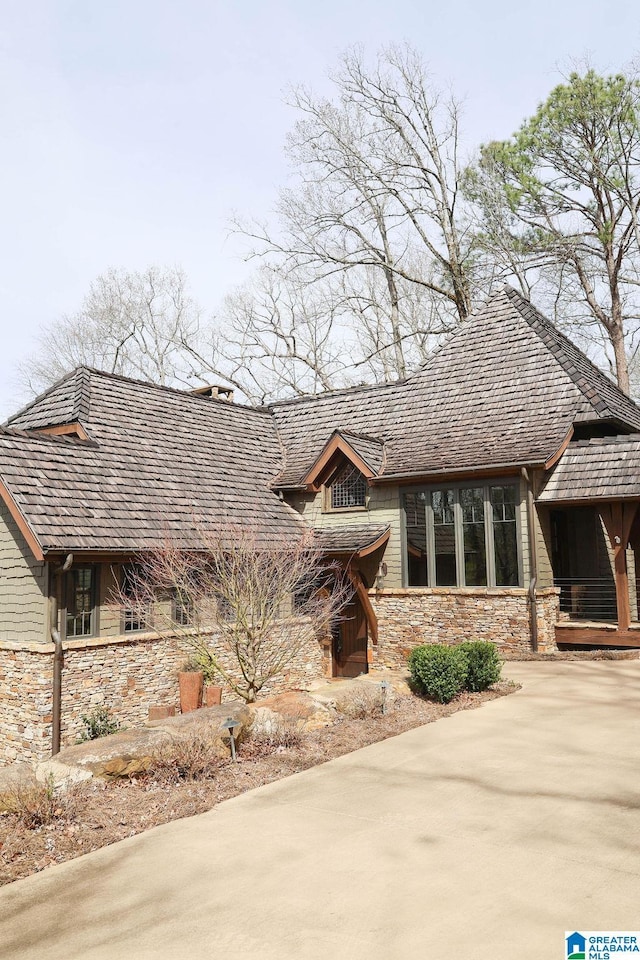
212,695
160,712
190,690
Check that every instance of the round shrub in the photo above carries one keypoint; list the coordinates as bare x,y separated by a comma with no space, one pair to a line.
484,664
438,671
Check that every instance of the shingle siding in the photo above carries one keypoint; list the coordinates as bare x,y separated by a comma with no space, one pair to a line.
23,586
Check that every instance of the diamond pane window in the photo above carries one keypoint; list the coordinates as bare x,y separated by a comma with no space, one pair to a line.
349,489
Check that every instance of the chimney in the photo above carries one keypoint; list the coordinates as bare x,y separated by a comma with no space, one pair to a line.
216,391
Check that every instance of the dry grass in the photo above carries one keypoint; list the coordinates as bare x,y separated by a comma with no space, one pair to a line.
193,758
282,733
98,813
362,702
35,805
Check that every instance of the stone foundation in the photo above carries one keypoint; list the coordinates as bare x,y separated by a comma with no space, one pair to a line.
407,618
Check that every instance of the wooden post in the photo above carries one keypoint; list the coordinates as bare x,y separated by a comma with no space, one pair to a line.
618,519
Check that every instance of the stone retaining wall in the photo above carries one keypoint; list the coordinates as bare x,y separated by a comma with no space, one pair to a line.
407,618
127,674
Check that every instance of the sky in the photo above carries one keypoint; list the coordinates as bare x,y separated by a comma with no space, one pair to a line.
132,130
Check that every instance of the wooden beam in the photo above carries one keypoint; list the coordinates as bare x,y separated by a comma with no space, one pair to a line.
65,430
597,637
618,519
375,545
367,606
551,462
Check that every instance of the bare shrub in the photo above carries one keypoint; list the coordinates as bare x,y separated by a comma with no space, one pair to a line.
243,603
193,758
362,702
280,733
35,804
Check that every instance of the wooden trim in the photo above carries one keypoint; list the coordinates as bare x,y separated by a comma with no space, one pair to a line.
551,462
365,552
22,523
380,542
313,478
450,476
65,430
606,636
363,596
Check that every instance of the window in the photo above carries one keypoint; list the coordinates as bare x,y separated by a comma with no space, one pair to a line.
135,614
462,535
348,489
183,609
80,602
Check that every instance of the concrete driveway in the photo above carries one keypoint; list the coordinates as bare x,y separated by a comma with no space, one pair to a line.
485,835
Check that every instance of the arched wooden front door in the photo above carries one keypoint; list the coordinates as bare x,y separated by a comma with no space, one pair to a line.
350,641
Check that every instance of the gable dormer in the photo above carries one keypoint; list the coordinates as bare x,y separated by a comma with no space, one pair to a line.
344,469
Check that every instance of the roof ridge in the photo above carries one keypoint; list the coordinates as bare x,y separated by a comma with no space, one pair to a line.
545,330
82,397
361,388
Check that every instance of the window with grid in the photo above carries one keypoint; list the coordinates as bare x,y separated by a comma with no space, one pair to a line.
348,489
80,602
463,536
135,615
183,609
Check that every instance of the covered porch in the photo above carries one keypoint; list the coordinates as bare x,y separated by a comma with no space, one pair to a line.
590,507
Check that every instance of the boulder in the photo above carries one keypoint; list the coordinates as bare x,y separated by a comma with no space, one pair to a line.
294,705
129,753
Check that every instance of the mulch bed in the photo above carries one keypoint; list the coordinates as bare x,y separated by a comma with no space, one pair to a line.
98,813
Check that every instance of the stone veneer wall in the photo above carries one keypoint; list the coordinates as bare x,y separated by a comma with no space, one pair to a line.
407,618
128,674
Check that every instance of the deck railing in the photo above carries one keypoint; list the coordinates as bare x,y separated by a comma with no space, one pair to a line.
584,598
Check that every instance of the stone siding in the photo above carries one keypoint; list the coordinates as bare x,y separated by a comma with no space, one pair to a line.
127,674
407,618
26,680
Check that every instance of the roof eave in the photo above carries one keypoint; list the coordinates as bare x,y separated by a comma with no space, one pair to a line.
414,475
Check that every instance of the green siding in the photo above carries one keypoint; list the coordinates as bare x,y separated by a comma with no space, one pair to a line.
23,586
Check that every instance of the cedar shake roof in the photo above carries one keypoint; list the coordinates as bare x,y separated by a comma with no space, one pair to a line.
503,390
607,468
67,401
368,449
349,538
158,461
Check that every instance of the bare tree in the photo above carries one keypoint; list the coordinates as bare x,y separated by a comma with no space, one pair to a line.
132,323
244,608
377,202
274,338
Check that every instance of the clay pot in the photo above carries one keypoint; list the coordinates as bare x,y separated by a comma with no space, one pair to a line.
160,712
212,695
190,690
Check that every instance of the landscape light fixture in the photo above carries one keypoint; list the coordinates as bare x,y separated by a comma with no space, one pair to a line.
385,687
231,725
